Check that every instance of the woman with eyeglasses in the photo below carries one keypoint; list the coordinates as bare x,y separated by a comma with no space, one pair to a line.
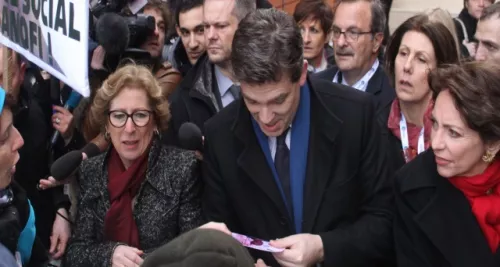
139,194
17,217
418,46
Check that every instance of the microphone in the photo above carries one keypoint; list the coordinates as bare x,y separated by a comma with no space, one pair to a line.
91,150
71,103
190,137
64,166
112,33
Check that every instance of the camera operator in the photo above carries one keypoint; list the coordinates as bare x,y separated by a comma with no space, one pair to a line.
165,73
32,119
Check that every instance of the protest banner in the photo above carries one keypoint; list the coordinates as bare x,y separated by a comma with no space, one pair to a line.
53,34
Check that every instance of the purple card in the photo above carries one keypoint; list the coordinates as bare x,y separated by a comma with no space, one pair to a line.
255,243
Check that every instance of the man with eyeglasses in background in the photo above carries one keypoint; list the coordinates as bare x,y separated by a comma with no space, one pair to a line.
358,32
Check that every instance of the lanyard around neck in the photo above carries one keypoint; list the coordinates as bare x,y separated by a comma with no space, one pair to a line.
403,129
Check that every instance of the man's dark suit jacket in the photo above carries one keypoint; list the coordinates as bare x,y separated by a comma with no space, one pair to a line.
193,100
434,225
379,85
347,194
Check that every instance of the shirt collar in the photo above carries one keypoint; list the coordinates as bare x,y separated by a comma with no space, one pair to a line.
362,83
223,82
322,66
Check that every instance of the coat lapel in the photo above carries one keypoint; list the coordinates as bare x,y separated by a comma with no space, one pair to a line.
448,222
325,127
327,74
203,84
252,161
103,183
376,82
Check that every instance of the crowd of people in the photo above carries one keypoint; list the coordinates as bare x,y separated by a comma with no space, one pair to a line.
395,138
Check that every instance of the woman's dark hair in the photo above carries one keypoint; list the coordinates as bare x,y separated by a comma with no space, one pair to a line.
445,48
315,10
475,89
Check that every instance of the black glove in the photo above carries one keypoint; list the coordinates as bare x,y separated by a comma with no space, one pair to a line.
10,228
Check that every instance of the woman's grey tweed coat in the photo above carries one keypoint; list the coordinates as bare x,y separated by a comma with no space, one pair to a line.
167,205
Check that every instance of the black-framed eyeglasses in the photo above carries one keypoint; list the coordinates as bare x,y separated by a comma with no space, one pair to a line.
350,35
119,118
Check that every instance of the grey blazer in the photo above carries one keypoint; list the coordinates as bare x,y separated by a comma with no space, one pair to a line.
167,205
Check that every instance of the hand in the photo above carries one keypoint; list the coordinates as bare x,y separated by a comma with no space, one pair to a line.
98,56
471,47
50,182
300,250
61,231
126,256
198,154
62,121
216,226
260,263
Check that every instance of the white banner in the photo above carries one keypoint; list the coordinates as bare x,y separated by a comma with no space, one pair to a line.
53,34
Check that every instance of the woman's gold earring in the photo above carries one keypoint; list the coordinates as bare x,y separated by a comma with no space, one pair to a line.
106,136
488,157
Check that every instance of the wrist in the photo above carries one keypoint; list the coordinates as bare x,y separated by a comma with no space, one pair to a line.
318,244
62,211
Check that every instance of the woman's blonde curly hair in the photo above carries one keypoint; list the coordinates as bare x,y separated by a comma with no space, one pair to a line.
131,76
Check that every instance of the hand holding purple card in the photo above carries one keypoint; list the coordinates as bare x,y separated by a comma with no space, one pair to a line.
255,243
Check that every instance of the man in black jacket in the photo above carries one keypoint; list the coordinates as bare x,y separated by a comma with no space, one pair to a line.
208,87
329,198
191,42
358,31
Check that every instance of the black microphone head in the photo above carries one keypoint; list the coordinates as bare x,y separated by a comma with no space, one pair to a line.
64,166
112,33
190,136
91,150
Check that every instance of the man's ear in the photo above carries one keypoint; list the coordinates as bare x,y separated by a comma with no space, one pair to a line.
22,70
328,37
303,76
377,41
178,30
